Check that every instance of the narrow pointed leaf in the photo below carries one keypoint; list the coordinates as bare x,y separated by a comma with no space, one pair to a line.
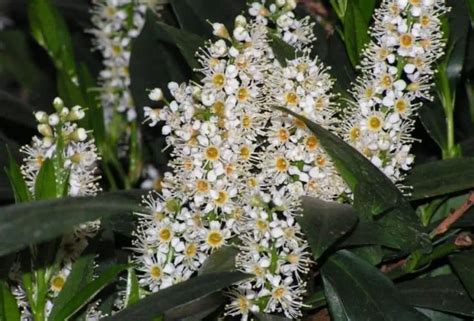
178,295
463,264
45,183
357,291
132,294
20,190
324,223
221,260
35,222
9,309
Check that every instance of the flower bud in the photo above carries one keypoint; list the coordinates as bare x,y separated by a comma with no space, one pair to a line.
58,103
64,112
240,34
291,4
156,94
220,30
79,135
45,130
240,21
53,119
41,117
280,3
76,113
48,142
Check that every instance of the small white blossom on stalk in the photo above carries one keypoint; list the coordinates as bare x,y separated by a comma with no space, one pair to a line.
74,157
397,69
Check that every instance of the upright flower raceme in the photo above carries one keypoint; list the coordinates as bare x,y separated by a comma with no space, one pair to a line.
67,146
240,166
397,69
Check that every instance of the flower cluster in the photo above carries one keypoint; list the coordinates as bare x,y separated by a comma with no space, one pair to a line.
240,166
74,158
397,68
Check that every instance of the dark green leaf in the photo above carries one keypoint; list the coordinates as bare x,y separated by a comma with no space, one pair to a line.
439,316
9,307
369,233
221,260
193,15
45,183
470,7
196,310
373,189
177,296
145,72
441,177
463,264
188,43
269,317
89,291
355,31
20,190
281,49
324,223
81,273
132,293
432,117
35,222
443,293
355,290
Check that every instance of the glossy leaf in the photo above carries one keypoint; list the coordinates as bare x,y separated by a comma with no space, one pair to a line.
355,290
35,222
463,264
89,291
176,296
355,30
45,183
281,49
443,293
369,233
81,274
221,260
196,310
441,177
371,187
324,223
20,190
9,307
470,7
132,292
269,317
432,117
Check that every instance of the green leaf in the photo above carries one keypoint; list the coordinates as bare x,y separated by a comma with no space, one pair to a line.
463,264
145,72
470,8
269,317
324,223
177,296
196,310
355,31
442,293
132,292
20,190
355,290
81,274
433,119
369,233
372,188
221,260
281,49
439,316
51,32
441,177
188,43
89,291
9,308
35,222
45,183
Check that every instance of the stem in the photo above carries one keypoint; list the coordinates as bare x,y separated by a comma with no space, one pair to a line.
42,289
454,216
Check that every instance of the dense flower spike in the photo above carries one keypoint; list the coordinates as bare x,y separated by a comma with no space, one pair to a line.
397,69
74,158
239,166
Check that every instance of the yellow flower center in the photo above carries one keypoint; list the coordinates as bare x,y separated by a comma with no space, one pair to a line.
311,142
401,105
229,169
293,258
222,198
281,164
218,80
241,62
191,250
278,293
157,184
425,20
252,182
319,103
57,283
386,81
242,94
165,234
354,133
382,54
245,152
406,40
246,121
215,239
283,135
312,185
212,153
218,108
262,225
158,216
320,160
155,272
243,304
39,160
374,123
291,98
369,92
202,186
415,2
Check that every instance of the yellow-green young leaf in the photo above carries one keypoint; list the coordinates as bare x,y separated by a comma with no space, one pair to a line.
8,306
45,183
441,177
20,190
176,296
443,293
324,223
463,264
358,291
89,291
35,222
